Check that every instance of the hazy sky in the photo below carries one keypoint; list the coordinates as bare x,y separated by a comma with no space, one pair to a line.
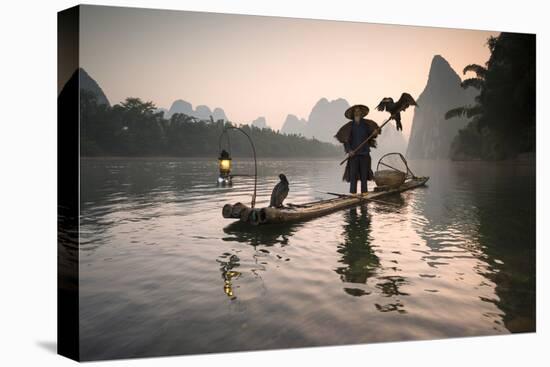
263,66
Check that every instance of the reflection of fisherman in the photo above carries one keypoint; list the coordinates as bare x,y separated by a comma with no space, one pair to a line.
352,135
359,261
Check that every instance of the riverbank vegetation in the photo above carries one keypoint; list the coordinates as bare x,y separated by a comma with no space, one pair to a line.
136,128
503,118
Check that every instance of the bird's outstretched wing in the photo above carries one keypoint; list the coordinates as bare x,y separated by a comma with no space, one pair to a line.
405,101
384,104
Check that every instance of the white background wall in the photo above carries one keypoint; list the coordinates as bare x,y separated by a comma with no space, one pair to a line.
28,182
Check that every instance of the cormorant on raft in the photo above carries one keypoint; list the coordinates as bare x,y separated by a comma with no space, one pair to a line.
280,192
395,108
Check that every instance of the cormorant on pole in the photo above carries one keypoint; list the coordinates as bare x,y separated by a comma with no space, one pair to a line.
395,108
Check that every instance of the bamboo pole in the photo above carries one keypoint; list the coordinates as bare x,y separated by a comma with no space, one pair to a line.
362,197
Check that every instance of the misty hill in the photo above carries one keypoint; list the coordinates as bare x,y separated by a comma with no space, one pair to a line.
260,123
180,106
432,135
218,114
293,125
201,112
89,84
324,120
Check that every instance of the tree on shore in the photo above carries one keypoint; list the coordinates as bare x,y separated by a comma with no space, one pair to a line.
503,118
136,128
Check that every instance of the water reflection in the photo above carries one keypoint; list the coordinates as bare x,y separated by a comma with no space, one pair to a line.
358,258
390,287
511,253
228,262
473,211
257,238
260,235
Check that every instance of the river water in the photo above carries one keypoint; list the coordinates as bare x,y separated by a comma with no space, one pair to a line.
162,273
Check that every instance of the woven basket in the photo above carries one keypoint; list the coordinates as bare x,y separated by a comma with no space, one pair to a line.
389,178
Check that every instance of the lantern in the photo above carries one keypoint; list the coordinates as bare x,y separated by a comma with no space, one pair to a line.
224,163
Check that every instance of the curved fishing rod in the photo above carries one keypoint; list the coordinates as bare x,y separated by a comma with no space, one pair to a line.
253,203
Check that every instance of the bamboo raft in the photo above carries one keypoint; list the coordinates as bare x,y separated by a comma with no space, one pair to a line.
306,211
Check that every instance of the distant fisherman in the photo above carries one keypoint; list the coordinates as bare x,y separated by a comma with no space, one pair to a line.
352,135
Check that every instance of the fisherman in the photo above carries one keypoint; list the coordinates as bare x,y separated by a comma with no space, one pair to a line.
352,134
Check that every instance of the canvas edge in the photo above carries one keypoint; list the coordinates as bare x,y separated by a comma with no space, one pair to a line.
68,156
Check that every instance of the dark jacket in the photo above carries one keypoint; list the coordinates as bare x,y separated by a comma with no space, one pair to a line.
344,136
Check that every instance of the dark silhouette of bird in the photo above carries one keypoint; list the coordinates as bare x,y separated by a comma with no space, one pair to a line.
395,108
280,191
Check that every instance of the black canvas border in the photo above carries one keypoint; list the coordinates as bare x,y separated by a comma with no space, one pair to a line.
68,157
